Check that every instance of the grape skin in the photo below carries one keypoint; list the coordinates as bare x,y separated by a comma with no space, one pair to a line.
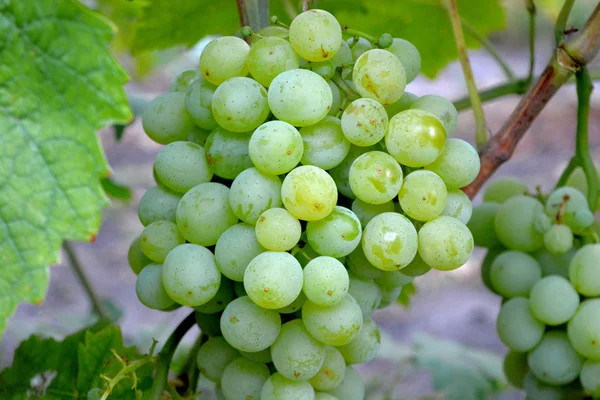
165,119
441,107
514,224
158,204
316,35
326,281
240,104
584,329
553,300
458,165
243,379
182,165
336,235
423,195
517,327
325,145
309,193
150,290
224,58
335,325
584,270
390,241
269,57
554,361
375,177
235,248
275,147
445,243
278,230
364,122
252,193
332,371
514,273
379,75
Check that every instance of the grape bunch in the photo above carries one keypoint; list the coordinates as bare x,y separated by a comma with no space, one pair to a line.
300,189
543,258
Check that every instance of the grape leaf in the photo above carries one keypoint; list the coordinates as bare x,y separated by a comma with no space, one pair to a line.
58,85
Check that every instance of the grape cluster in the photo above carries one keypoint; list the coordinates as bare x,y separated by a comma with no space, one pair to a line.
299,189
544,260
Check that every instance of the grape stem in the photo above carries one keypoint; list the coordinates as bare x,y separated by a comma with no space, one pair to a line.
561,21
189,374
356,33
305,5
350,94
481,132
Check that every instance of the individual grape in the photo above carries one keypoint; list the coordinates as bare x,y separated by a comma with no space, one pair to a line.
458,205
365,212
150,290
554,265
325,145
240,104
584,270
190,275
578,180
514,223
136,258
554,361
392,279
582,219
158,204
204,213
361,267
364,122
332,371
325,69
389,296
276,147
458,165
248,327
482,219
326,281
441,108
252,193
502,189
415,138
165,119
366,293
224,58
553,300
278,230
158,239
563,203
515,368
294,305
270,57
309,193
335,325
278,387
590,377
336,235
209,323
274,30
316,35
198,101
402,104
214,356
300,97
336,101
417,267
445,243
423,195
235,248
227,153
358,46
517,327
273,279
390,241
375,177
220,300
243,379
366,345
537,390
341,173
182,165
183,80
343,57
296,355
559,239
259,357
379,75
514,273
408,55
584,329
486,266
351,388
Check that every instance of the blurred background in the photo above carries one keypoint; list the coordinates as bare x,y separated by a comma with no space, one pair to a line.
449,324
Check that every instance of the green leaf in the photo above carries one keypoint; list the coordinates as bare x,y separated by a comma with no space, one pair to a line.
58,85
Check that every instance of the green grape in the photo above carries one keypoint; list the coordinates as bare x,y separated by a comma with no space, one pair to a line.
182,165
296,355
584,270
248,327
336,235
294,305
361,267
183,80
563,203
278,230
458,205
325,69
364,122
150,290
366,345
198,101
445,243
235,248
390,241
537,390
417,267
309,193
300,97
190,275
277,31
165,119
252,193
584,329
324,396
517,327
240,104
326,281
578,180
379,75
158,239
158,204
582,219
260,357
590,378
343,57
316,35
554,361
408,55
273,279
553,300
514,223
270,57
325,145
341,173
559,239
204,213
514,273
392,279
423,195
502,189
554,265
137,259
515,368
224,58
278,387
458,165
389,296
365,212
542,223
375,177
332,371
351,388
243,379
227,153
335,325
276,147
214,356
366,293
220,300
482,220
94,394
402,104
336,101
358,46
415,138
441,108
486,266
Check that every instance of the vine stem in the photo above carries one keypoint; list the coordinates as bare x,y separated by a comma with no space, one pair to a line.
481,133
344,87
357,33
532,11
253,13
305,5
561,21
126,370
